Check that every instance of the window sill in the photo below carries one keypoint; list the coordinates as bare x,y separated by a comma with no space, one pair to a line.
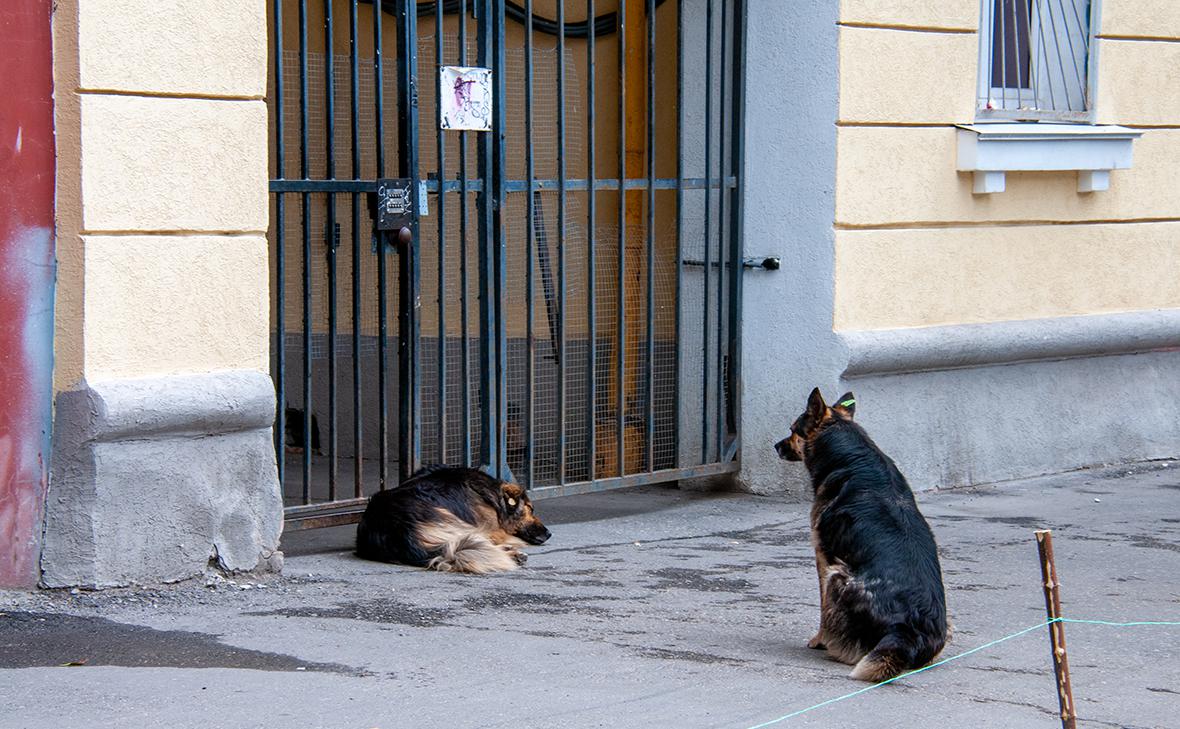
992,149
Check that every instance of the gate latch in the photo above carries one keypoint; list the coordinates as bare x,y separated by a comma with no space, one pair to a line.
395,204
768,263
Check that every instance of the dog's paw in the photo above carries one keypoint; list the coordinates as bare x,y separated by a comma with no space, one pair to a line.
816,642
520,557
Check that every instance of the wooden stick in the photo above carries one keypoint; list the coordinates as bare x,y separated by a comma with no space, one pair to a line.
1056,628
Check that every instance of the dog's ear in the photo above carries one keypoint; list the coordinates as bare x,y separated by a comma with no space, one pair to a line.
846,405
513,496
815,406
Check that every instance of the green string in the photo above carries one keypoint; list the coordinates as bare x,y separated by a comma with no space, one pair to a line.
964,654
1116,625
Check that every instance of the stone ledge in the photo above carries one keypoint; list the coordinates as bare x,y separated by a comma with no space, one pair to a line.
991,150
205,404
923,349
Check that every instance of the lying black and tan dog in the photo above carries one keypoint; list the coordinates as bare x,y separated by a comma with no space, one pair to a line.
882,605
452,520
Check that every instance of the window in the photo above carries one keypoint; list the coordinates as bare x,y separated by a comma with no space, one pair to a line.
1036,60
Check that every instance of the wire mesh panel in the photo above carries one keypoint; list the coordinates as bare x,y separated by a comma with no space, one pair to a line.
563,310
618,237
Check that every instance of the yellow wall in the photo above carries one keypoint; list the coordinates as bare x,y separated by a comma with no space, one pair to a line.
162,209
915,247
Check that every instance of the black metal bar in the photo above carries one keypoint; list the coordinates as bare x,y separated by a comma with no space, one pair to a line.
620,298
737,231
349,512
637,479
332,240
560,242
440,136
679,225
382,261
302,523
280,287
649,385
280,347
304,170
722,319
488,343
591,291
705,333
499,233
354,73
1004,60
539,185
604,24
415,274
383,359
298,516
463,190
407,77
321,510
531,239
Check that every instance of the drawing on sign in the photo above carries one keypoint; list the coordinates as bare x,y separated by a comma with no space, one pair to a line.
467,98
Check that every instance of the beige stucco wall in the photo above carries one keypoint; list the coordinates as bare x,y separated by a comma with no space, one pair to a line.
162,201
915,247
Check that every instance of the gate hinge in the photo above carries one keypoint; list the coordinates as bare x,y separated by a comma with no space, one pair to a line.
332,236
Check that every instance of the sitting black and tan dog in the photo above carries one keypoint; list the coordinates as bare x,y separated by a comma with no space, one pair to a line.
882,605
452,520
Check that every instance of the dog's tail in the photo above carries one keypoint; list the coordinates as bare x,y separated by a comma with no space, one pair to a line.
904,647
457,547
893,654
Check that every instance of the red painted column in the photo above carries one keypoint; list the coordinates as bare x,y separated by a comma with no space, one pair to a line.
26,282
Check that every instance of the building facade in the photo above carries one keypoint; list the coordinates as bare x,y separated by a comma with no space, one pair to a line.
987,336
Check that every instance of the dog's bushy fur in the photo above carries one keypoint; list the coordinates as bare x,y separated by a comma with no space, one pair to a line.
452,520
883,607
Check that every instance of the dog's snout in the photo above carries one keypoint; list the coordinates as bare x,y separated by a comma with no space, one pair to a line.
786,451
782,448
534,532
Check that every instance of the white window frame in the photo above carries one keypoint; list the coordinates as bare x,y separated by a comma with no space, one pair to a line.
997,103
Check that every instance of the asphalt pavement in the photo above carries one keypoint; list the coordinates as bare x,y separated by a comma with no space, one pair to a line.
649,607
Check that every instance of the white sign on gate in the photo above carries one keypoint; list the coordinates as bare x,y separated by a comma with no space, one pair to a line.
466,98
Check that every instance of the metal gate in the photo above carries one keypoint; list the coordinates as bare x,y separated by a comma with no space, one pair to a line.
556,299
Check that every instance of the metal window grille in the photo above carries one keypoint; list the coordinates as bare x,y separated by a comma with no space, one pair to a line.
1036,60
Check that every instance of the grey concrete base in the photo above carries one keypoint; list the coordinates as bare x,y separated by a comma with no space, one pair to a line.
720,482
155,479
987,424
979,403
